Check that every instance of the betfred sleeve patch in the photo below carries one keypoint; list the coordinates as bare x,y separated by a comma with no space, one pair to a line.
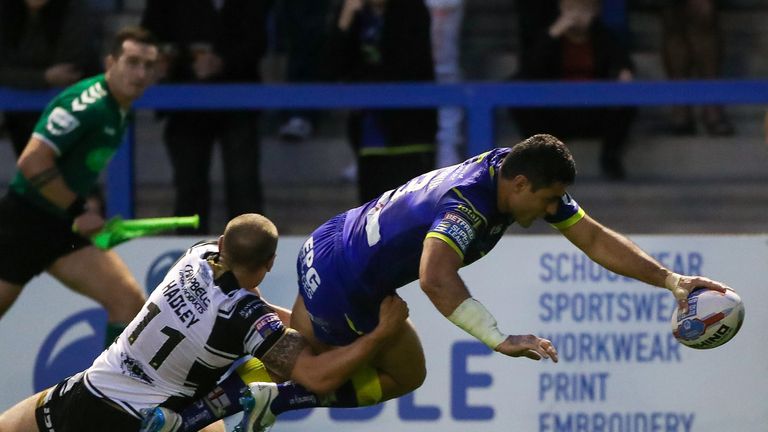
456,229
265,330
268,324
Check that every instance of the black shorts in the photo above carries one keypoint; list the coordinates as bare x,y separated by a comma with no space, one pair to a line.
70,407
31,239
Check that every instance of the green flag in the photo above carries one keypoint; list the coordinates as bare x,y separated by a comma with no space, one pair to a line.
117,230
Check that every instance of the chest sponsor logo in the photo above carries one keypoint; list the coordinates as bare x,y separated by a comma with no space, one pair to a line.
61,122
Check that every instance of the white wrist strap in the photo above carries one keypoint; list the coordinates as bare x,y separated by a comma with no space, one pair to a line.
472,317
672,281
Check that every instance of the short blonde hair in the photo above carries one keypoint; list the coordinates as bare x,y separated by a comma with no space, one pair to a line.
250,241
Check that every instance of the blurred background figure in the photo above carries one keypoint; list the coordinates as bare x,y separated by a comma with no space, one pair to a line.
765,127
447,17
44,44
385,41
578,47
211,41
533,17
692,48
303,27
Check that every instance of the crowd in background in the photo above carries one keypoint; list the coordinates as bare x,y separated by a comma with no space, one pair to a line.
54,43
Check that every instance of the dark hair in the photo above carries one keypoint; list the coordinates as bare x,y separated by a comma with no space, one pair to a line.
542,159
133,33
14,17
250,241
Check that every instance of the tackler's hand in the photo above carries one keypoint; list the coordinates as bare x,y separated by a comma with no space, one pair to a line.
393,312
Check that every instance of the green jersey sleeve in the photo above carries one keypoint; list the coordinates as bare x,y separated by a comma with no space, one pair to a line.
68,119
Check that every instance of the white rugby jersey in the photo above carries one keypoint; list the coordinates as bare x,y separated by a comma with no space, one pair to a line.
190,330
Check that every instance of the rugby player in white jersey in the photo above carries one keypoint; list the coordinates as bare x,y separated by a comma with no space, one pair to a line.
205,314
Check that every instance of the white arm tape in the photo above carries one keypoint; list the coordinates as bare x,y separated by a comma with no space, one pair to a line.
472,317
672,281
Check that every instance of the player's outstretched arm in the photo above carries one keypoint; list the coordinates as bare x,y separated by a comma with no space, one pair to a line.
440,280
325,372
615,252
620,255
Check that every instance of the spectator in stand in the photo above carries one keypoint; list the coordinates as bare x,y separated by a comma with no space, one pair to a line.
211,41
578,47
43,44
303,24
692,49
385,41
533,18
447,16
766,127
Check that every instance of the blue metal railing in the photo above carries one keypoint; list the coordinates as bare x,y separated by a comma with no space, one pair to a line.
478,99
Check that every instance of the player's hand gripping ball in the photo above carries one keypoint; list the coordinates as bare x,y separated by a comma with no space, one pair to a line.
713,318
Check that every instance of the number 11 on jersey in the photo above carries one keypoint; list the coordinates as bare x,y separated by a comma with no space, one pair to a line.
174,336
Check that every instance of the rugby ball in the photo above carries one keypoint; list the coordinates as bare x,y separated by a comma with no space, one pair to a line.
713,318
